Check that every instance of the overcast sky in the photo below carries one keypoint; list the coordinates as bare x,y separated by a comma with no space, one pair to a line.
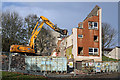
66,15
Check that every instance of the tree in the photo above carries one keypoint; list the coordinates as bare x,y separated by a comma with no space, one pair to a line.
45,42
108,35
12,30
0,40
29,24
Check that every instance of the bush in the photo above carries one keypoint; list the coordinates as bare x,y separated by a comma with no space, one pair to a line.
104,58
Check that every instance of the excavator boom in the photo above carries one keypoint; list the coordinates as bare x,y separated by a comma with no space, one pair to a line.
36,30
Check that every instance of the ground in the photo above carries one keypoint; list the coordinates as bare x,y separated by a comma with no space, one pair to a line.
15,76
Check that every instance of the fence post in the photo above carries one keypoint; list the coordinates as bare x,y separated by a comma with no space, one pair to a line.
10,57
74,68
119,66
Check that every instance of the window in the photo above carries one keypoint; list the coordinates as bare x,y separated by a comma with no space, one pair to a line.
80,25
93,51
97,13
80,50
92,25
95,25
80,36
95,38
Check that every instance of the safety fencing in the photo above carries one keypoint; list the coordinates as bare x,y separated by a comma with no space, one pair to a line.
34,63
56,64
111,66
46,63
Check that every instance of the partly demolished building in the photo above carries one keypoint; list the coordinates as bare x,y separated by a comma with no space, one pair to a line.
85,41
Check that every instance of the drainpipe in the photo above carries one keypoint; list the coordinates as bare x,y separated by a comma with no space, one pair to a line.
74,68
115,53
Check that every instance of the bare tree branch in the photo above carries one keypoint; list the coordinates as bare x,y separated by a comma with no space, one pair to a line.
108,35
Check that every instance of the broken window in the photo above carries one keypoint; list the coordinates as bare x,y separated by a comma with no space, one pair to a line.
95,38
97,13
80,25
92,25
80,36
80,50
93,51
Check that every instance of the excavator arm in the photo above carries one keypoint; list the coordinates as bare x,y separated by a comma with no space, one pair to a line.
54,27
50,24
36,30
34,35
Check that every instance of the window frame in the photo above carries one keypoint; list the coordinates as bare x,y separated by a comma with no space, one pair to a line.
93,26
80,35
89,27
97,13
93,53
81,26
96,39
81,52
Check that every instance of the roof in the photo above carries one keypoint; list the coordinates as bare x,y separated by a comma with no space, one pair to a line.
93,12
108,49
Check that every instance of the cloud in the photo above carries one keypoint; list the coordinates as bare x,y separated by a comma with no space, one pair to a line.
24,11
64,15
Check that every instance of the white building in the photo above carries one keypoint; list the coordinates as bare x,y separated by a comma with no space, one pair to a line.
115,53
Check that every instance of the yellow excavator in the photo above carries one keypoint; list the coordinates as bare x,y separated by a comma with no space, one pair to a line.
36,30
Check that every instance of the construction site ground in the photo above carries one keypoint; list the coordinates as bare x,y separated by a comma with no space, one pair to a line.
57,76
97,75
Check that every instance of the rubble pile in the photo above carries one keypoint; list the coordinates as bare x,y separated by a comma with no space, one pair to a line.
18,62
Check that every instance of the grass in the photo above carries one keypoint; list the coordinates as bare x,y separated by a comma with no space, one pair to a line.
14,75
104,58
